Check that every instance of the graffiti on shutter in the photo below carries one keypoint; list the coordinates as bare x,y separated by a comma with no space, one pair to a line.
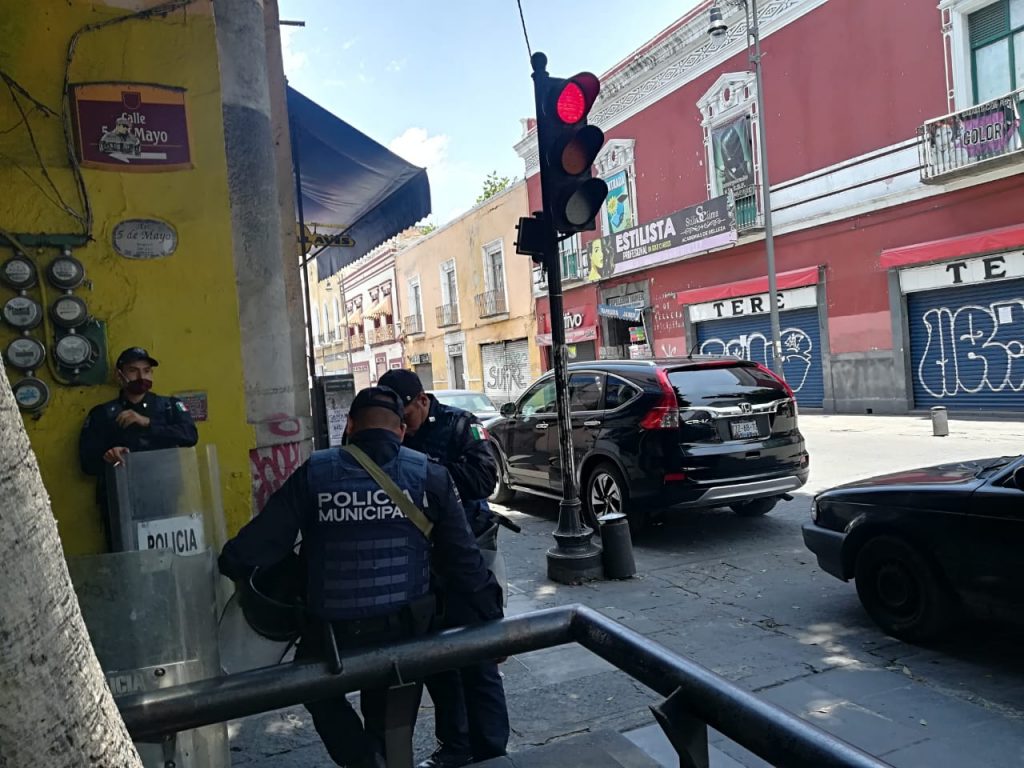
506,369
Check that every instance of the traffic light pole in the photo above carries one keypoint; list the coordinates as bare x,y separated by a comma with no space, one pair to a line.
574,558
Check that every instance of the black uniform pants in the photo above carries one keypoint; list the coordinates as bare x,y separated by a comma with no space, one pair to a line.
349,741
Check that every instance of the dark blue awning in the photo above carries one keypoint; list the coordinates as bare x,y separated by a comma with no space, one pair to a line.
351,184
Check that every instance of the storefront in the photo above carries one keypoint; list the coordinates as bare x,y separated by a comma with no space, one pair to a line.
964,321
506,369
734,319
581,326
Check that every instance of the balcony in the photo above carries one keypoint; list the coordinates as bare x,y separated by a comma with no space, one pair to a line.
980,137
748,212
413,324
447,314
358,340
491,303
382,335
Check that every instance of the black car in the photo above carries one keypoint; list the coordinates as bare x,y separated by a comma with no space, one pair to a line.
697,432
923,544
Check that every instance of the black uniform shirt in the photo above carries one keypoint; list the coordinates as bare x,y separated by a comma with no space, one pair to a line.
170,426
270,536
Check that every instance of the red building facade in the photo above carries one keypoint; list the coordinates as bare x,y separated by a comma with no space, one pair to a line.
896,150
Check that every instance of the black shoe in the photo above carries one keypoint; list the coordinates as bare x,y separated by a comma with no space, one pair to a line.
443,759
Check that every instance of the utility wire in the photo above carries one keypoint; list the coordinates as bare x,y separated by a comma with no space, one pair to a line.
522,18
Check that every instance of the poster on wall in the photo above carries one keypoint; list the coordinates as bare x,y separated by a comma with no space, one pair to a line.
617,206
733,158
129,127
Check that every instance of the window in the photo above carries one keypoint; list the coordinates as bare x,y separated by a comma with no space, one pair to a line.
494,268
539,400
586,392
996,35
449,286
573,266
615,164
415,322
618,393
337,313
327,319
316,320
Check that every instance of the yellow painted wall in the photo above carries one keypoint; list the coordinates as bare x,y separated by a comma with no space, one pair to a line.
182,308
464,240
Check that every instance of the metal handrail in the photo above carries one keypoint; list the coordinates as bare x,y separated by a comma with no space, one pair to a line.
447,314
696,694
490,303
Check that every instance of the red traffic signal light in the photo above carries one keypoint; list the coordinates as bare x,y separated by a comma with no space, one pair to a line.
568,147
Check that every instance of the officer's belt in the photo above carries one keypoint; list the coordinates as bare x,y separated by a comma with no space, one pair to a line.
414,617
390,487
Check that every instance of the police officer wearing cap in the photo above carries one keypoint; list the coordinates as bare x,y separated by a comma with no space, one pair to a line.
368,560
471,714
137,420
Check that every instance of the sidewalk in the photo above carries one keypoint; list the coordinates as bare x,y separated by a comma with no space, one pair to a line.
744,598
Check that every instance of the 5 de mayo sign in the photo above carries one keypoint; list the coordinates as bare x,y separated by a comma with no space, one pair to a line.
131,127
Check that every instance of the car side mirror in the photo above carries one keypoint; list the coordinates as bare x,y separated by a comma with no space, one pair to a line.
508,409
1018,477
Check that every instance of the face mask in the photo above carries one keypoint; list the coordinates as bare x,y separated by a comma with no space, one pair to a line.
138,386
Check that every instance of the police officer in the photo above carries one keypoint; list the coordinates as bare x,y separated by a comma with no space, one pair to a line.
471,714
368,561
137,420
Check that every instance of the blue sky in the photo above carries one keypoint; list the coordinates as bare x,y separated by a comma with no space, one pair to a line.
445,83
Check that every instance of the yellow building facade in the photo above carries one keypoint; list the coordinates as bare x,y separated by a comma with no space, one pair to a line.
466,301
181,305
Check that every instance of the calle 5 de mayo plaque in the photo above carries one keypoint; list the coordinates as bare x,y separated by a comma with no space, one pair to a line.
144,239
131,127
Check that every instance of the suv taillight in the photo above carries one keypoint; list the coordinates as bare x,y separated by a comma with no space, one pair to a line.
783,382
665,415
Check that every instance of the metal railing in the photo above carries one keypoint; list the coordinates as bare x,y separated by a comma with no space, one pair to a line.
696,698
447,314
382,335
748,211
358,340
490,303
986,135
413,324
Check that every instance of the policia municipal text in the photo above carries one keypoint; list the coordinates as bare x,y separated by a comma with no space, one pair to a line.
375,563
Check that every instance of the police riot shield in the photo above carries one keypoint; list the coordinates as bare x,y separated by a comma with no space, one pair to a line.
151,608
339,391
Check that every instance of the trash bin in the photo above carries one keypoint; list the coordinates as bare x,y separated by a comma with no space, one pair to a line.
940,421
616,547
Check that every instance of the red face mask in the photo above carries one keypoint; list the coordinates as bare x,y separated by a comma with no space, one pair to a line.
138,386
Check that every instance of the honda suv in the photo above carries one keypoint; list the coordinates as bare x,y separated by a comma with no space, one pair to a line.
648,435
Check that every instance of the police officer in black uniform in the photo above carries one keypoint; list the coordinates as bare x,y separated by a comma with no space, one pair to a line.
471,714
137,420
368,564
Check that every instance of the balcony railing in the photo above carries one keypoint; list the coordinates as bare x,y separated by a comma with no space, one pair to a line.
413,324
447,314
984,135
748,212
382,335
490,303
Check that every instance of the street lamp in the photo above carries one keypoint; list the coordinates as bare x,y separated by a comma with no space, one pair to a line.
717,29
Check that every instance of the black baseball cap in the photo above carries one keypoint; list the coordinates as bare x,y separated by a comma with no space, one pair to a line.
403,381
134,354
378,397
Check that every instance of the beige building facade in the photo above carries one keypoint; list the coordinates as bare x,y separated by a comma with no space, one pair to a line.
467,306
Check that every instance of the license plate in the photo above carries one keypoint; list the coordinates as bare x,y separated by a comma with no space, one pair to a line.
745,428
182,535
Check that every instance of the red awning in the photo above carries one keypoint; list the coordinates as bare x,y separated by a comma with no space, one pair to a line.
796,278
989,241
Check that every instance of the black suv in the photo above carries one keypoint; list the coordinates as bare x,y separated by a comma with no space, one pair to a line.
696,432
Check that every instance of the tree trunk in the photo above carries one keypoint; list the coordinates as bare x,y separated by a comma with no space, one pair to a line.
55,707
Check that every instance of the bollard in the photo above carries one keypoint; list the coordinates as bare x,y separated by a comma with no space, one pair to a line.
617,547
940,421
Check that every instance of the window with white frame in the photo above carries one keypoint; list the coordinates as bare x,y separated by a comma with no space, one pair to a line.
315,318
572,259
494,267
415,320
449,285
337,313
729,109
615,164
986,49
327,319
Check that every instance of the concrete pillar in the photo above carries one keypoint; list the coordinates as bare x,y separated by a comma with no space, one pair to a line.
276,395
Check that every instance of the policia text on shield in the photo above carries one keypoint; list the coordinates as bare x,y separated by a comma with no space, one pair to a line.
372,576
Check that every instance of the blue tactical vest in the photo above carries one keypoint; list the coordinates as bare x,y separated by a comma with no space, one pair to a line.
365,557
438,443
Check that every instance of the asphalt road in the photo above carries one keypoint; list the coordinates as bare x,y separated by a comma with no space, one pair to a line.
744,598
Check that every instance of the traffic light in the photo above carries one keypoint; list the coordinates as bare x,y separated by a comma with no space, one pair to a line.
567,147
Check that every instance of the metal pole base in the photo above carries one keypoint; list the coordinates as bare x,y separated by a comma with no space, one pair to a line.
574,559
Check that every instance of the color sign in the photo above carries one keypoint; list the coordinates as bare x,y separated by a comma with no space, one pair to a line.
130,127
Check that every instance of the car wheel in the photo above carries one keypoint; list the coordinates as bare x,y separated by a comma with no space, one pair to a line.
606,493
901,591
502,494
755,507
